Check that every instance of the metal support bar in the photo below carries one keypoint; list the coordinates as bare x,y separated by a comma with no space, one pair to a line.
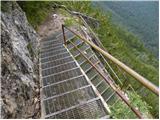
112,85
134,74
98,43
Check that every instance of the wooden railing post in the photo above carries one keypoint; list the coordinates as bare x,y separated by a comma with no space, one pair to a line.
64,37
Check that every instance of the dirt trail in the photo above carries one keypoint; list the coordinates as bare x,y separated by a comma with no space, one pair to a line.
50,25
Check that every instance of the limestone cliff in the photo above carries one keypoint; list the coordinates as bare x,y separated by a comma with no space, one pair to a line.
19,64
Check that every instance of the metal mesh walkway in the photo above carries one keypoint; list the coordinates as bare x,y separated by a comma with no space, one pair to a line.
66,93
104,89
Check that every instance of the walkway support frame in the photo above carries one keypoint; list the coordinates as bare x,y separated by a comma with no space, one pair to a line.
127,69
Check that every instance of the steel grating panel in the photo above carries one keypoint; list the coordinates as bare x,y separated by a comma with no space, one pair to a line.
93,59
107,93
50,49
53,38
51,53
81,60
58,69
113,99
96,79
56,63
88,52
74,52
66,91
104,89
77,43
64,86
69,46
68,100
51,46
85,66
55,55
62,76
101,86
52,58
51,42
84,60
91,110
47,40
91,73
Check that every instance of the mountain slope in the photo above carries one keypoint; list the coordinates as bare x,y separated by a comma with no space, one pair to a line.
126,47
139,17
120,43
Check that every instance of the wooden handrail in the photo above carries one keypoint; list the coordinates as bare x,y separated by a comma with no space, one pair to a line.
111,84
134,74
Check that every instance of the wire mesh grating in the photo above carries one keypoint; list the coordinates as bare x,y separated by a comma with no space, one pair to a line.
89,110
57,62
52,58
58,69
65,86
68,100
99,82
66,92
54,52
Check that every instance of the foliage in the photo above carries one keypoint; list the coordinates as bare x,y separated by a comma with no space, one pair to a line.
121,111
125,46
131,15
4,6
69,22
36,11
137,102
119,108
30,49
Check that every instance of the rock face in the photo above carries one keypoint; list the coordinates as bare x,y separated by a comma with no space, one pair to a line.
19,64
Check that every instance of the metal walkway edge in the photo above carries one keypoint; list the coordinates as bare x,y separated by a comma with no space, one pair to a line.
66,92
